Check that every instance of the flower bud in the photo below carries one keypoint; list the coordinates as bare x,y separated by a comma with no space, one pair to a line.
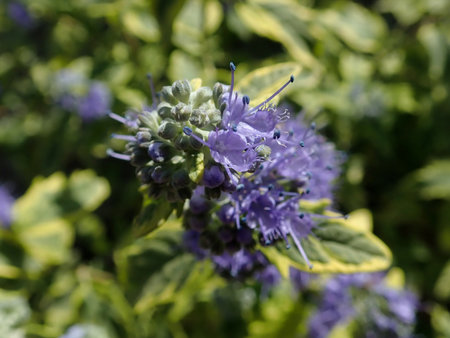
159,152
195,144
160,175
139,158
143,135
180,178
214,116
164,110
199,118
181,112
199,205
263,151
181,90
213,177
167,95
145,175
149,119
201,96
217,92
226,214
168,130
183,142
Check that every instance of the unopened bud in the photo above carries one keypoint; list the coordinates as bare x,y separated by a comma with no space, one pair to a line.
181,90
201,96
217,92
181,112
139,158
180,178
159,152
168,130
182,142
199,118
165,109
263,151
166,94
160,175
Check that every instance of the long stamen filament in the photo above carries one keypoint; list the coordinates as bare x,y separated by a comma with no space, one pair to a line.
112,153
291,79
233,68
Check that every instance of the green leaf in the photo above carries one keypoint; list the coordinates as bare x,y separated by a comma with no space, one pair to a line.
441,288
263,82
48,242
183,66
153,214
14,313
278,22
434,180
358,27
334,247
87,189
11,256
141,24
148,254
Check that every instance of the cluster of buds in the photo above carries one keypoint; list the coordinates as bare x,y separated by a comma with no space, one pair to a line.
245,169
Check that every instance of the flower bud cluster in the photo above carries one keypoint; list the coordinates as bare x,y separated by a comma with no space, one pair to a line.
248,167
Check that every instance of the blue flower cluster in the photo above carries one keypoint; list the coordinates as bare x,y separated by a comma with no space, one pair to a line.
365,298
75,93
256,165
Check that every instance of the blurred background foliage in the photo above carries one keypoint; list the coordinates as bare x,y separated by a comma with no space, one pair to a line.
373,74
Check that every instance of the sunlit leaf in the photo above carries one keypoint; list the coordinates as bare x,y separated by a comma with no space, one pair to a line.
141,24
334,247
263,22
87,189
434,180
356,26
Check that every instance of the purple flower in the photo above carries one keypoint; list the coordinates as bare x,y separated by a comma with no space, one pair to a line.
6,204
213,177
344,293
96,103
20,15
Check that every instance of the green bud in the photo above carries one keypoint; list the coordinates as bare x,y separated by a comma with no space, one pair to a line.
222,108
217,92
149,119
182,142
195,145
214,116
139,157
164,109
201,96
263,151
168,130
181,112
167,95
180,178
199,118
181,90
143,135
